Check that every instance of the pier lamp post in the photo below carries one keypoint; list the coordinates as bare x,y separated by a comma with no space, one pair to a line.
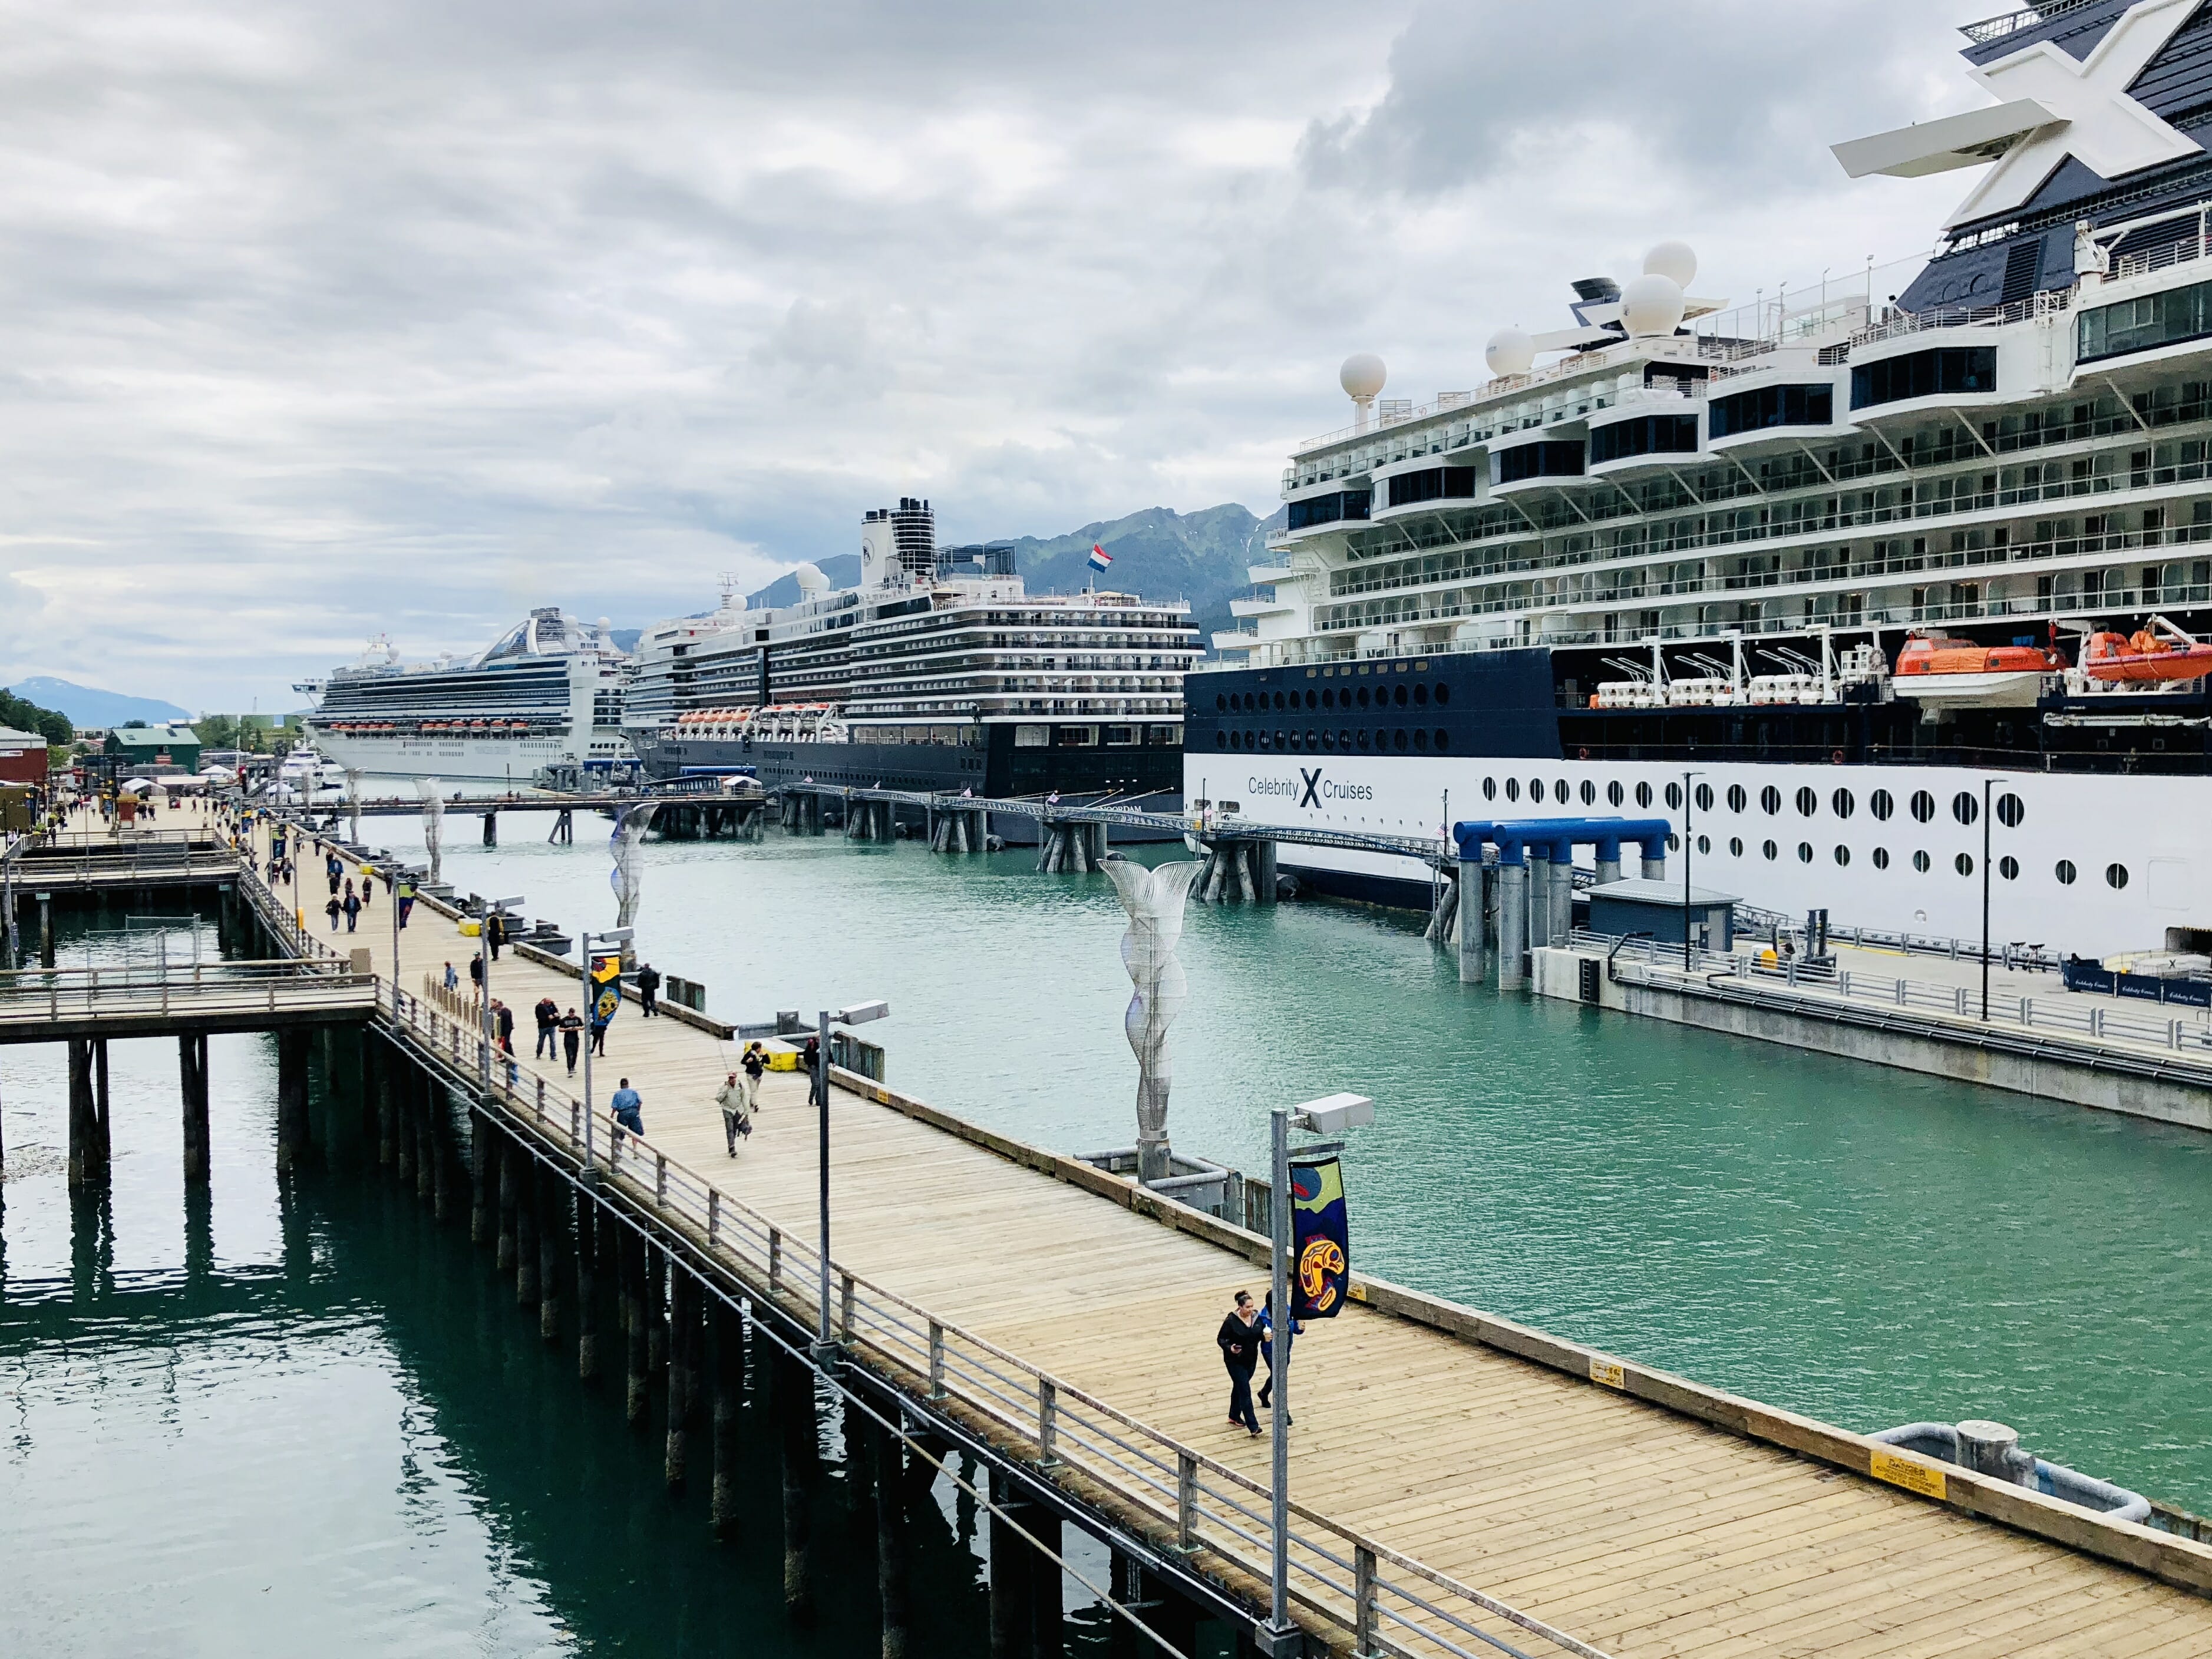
859,1014
612,936
492,907
1329,1115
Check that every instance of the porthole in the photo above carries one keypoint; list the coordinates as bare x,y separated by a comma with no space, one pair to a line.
1736,798
1769,801
1705,845
1313,699
1420,737
1613,792
1443,695
1705,798
2010,811
1842,803
1311,737
1921,862
1443,738
1881,857
1362,696
1329,743
1421,695
2008,868
1673,843
1769,849
2065,871
1881,805
1513,789
1560,792
1964,864
1674,797
1589,793
1736,847
1294,740
1327,697
1535,789
1964,807
1279,700
1843,856
1644,795
1279,739
1490,789
1398,696
1808,802
1804,852
1220,703
1397,738
2116,876
1221,740
1923,805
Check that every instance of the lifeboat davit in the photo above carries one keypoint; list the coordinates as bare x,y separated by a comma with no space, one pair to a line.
2157,654
1936,668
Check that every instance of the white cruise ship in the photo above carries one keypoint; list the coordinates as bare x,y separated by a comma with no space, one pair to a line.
547,697
940,671
1839,565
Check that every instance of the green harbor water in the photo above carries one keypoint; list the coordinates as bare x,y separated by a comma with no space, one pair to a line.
313,1415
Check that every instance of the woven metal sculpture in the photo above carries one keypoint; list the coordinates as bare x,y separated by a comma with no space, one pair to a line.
434,821
1154,900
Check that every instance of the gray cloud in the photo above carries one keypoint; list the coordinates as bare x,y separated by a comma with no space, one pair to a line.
320,321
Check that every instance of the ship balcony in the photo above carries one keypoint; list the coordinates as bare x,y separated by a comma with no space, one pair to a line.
1260,574
1259,607
1235,639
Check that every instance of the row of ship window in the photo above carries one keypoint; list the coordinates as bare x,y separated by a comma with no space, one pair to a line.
2115,875
1398,696
1419,740
1965,807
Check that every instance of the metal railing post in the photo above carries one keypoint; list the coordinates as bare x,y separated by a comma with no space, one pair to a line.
1186,1500
845,1309
1048,1421
774,1259
660,1179
713,1216
1363,1602
936,1360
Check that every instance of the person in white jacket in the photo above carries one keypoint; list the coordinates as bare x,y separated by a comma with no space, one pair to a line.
737,1111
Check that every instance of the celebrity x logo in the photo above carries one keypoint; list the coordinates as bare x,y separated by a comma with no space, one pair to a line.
1311,797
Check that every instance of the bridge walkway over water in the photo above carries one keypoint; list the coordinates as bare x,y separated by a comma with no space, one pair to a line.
1642,1514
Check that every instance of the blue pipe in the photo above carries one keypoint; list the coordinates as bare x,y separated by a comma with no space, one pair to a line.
1561,836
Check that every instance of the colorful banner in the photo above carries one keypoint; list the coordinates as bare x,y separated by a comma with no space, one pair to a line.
606,988
1320,1240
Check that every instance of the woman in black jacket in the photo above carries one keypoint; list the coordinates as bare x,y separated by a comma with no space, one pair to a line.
1239,1337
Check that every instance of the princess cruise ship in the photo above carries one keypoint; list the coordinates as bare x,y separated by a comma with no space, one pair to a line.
1822,575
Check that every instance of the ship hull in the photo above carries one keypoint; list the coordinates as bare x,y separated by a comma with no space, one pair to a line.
507,761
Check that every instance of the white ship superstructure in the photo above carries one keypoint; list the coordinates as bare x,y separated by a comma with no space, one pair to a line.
1840,563
547,695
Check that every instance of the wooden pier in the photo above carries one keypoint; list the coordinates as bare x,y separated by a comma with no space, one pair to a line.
1453,1473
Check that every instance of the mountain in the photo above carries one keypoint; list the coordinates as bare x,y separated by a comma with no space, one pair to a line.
1157,552
87,705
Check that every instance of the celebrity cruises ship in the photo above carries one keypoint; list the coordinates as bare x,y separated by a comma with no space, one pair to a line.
546,697
1843,566
940,671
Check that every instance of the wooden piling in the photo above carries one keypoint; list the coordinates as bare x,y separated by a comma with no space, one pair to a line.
292,1047
103,1144
396,1110
525,1226
655,1306
391,1079
587,1288
683,1344
508,1160
1048,1638
549,1207
637,1346
480,1177
429,1147
1008,1568
793,1393
80,1158
192,1069
728,1359
889,1467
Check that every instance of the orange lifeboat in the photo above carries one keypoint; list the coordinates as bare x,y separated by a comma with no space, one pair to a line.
2158,652
1935,668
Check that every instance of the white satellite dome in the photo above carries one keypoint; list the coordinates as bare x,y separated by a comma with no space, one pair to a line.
1510,351
811,578
1362,375
1652,304
1675,261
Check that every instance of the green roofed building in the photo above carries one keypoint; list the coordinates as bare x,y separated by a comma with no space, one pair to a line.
153,748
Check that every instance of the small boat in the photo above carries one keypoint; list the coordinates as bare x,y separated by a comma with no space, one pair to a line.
1936,668
2158,652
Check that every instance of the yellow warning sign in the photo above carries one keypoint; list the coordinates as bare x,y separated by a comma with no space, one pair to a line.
1908,1473
1605,1371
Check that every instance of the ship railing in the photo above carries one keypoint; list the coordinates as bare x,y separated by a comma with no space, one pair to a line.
2028,17
1351,1584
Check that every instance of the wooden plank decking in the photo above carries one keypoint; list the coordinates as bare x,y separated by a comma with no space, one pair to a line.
1636,1528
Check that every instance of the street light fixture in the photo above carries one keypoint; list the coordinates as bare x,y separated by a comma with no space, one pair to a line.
1330,1114
492,908
859,1013
612,936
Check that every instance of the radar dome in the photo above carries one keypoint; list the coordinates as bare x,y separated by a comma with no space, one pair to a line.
1362,375
811,578
1652,304
1674,261
1510,351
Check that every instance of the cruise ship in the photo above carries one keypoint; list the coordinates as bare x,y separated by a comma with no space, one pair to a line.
1819,577
939,671
545,699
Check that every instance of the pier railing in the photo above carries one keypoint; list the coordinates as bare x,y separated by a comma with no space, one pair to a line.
1386,1603
201,990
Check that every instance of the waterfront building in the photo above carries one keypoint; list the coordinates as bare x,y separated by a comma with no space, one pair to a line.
1855,559
22,757
152,749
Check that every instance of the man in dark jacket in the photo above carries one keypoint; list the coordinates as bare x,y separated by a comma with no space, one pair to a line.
549,1020
1239,1339
648,990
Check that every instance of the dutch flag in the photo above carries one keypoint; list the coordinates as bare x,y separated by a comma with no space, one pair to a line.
1100,558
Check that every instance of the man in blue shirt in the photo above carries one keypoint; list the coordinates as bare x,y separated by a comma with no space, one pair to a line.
627,1106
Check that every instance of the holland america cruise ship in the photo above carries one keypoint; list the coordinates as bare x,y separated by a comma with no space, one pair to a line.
940,671
546,697
1841,564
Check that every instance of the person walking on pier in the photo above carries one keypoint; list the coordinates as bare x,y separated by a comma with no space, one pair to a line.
1268,1323
332,910
403,894
1239,1339
368,885
754,1063
572,1037
452,979
352,906
648,990
549,1021
629,1108
494,926
736,1117
476,973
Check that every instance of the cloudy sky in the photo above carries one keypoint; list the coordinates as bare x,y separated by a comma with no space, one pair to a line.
319,320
